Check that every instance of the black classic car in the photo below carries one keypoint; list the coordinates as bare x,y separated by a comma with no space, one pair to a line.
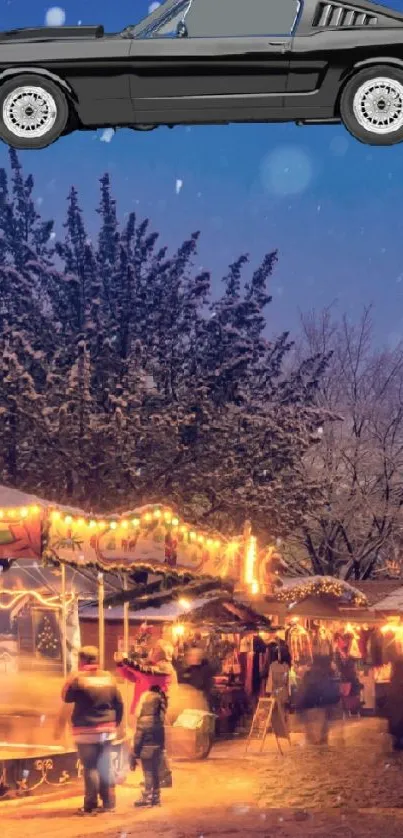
209,62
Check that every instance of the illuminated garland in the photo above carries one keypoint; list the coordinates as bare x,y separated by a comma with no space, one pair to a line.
17,513
327,586
140,520
53,602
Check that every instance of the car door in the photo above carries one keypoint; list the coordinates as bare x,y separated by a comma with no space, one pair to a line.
231,62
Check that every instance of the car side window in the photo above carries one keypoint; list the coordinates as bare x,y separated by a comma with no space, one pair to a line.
237,18
168,29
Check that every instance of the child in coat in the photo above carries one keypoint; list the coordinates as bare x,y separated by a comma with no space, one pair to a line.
149,743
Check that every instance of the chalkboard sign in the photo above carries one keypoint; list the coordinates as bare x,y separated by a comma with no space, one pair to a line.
269,718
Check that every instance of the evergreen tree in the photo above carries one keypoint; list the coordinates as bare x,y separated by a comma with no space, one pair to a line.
123,384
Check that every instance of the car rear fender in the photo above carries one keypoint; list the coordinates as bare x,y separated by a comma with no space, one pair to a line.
38,71
365,65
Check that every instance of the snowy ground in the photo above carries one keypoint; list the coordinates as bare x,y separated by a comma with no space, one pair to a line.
351,790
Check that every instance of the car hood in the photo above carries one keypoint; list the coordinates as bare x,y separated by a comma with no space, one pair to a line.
55,33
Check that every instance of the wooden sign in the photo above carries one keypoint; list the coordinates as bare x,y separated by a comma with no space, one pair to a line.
269,718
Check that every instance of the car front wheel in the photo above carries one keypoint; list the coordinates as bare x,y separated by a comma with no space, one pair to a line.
371,106
33,112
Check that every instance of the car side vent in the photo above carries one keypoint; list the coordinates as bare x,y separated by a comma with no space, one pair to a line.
331,14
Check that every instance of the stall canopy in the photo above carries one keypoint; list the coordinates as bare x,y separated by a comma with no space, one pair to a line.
220,613
151,537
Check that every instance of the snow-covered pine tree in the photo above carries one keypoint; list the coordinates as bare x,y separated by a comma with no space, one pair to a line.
145,392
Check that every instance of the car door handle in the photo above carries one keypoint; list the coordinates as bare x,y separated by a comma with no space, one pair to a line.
282,47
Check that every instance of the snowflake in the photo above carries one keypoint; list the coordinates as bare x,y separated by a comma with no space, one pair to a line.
178,186
55,16
107,135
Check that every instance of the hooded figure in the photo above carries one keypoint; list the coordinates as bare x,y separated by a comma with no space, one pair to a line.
149,743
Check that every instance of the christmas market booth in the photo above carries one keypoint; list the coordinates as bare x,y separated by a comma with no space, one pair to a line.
324,615
212,636
51,559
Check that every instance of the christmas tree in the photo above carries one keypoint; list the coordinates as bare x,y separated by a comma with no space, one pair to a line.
47,643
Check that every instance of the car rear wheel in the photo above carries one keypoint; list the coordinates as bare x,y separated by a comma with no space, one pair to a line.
33,112
371,106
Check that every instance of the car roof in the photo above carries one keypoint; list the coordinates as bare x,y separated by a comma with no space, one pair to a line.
306,8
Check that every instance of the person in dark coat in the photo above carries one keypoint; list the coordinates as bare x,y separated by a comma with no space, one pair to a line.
97,714
394,705
318,695
149,743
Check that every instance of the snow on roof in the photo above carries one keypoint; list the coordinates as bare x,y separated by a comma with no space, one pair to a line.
169,612
392,603
10,498
300,587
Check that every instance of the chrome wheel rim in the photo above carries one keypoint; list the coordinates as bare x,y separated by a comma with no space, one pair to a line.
378,106
29,112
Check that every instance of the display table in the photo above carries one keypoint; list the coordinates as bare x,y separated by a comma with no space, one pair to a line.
230,704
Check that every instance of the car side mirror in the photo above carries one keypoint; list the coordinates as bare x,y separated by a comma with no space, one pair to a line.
181,30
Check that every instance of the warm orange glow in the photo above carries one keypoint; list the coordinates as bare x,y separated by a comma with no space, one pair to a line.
56,515
1,514
49,602
185,604
80,522
102,525
217,543
250,564
157,513
175,522
125,524
168,517
92,524
136,522
68,520
24,512
148,517
192,536
178,631
113,525
183,529
12,513
201,539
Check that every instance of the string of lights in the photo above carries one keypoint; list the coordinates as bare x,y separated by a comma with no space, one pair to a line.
53,602
327,586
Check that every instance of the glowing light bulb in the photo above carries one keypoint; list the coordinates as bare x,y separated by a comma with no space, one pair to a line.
201,539
68,520
113,525
92,524
157,513
125,524
101,525
24,512
1,514
148,517
81,522
192,536
175,522
136,522
56,515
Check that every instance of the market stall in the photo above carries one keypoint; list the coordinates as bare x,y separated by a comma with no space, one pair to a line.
212,637
37,649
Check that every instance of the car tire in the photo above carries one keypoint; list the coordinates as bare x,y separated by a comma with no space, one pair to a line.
371,105
33,112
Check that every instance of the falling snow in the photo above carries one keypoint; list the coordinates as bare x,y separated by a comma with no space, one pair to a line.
107,135
178,186
288,170
55,16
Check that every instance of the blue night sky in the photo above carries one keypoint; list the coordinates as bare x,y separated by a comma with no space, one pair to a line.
332,206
